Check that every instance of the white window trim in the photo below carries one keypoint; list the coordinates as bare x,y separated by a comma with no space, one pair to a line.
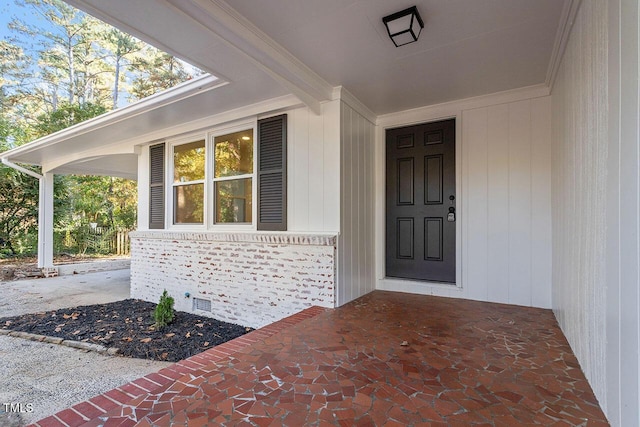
209,181
169,186
210,187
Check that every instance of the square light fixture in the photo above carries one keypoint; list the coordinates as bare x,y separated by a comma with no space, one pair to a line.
404,27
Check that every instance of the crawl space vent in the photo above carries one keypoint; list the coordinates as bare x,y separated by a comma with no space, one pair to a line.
201,304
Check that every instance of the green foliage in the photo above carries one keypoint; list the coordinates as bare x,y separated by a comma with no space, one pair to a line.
13,68
65,116
157,71
57,71
18,207
107,201
163,314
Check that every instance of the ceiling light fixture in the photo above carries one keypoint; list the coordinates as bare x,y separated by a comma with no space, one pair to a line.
404,27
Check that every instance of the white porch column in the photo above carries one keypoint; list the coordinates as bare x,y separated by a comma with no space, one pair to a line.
45,222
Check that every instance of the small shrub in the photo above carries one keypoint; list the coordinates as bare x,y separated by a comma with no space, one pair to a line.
163,314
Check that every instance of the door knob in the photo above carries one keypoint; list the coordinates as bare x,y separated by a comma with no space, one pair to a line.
451,216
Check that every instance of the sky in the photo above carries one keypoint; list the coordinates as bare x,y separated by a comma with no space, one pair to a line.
9,10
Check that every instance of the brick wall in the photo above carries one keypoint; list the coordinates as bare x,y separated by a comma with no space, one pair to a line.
250,278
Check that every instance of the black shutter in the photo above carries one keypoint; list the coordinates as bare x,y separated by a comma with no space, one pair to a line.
156,186
272,173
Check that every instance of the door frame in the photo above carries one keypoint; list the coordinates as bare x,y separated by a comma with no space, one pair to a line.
383,282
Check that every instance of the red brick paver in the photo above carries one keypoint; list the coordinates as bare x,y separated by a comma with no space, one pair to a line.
384,359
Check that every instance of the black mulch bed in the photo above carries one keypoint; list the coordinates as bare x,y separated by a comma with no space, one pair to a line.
129,326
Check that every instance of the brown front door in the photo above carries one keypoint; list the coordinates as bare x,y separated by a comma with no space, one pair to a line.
421,202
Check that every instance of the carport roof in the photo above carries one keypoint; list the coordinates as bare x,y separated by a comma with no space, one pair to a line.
106,144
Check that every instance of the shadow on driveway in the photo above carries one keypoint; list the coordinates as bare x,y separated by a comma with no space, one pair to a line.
33,295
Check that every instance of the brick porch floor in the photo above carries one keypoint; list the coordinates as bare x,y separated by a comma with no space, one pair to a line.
385,359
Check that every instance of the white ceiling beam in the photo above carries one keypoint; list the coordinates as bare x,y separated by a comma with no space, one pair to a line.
223,21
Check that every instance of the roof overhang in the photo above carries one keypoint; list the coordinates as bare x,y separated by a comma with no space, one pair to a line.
107,145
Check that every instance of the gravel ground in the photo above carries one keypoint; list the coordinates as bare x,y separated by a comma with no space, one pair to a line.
53,377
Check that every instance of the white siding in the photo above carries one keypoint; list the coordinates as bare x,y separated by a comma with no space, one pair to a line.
356,241
579,183
504,198
314,169
596,181
623,215
143,189
498,193
541,204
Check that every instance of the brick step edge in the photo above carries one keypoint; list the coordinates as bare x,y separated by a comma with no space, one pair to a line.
80,345
103,405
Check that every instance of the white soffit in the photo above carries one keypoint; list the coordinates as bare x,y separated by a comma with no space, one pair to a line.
118,165
467,47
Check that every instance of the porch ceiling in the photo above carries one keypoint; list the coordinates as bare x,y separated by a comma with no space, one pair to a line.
467,48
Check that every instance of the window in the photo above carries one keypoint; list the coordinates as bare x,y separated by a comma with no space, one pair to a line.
188,183
223,179
233,177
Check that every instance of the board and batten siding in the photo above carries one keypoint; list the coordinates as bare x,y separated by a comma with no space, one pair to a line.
506,203
313,199
579,182
596,200
503,198
357,238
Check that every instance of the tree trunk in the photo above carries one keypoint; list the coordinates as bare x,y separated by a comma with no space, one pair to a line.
116,84
72,72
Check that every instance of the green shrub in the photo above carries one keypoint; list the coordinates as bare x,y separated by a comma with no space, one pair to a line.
163,313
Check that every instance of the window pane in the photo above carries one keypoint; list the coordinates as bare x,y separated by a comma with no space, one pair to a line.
188,162
233,201
188,204
234,154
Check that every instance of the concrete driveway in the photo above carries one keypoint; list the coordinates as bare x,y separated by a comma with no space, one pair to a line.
51,377
30,296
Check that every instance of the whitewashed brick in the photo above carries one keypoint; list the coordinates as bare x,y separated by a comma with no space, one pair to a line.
250,278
